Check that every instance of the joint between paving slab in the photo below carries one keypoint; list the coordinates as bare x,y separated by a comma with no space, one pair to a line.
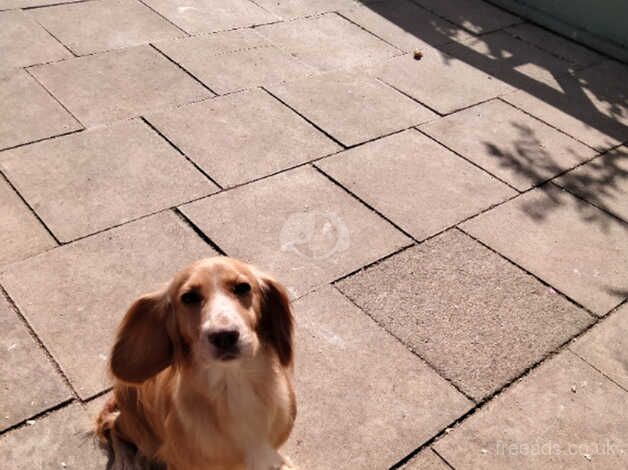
37,7
30,208
337,183
41,414
545,283
170,59
38,341
582,199
544,122
434,110
495,394
407,347
74,54
610,379
176,147
27,70
370,32
442,459
199,232
165,18
442,144
312,123
43,139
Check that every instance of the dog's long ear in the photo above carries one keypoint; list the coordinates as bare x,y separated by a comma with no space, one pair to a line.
143,346
276,323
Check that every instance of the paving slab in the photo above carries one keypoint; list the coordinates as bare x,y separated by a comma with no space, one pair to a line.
571,51
562,416
477,16
509,59
439,81
241,137
21,234
224,67
101,25
405,25
87,182
565,241
509,143
29,382
75,296
58,440
426,460
480,320
401,402
603,182
23,42
589,105
23,101
415,182
315,41
605,347
118,85
300,227
289,9
336,102
208,16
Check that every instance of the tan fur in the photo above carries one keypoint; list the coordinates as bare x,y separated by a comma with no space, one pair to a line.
176,401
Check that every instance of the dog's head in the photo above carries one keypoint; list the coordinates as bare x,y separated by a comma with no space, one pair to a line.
216,312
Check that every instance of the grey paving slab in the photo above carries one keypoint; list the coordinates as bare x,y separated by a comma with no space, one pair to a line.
288,9
509,143
571,51
300,227
234,60
244,136
480,320
21,234
603,182
75,296
426,460
23,42
207,16
476,16
541,422
29,382
23,101
420,185
589,105
570,244
360,406
336,102
58,440
101,25
86,182
316,42
509,59
118,85
439,81
605,347
405,24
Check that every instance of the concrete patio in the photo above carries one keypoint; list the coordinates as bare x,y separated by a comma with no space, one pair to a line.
442,187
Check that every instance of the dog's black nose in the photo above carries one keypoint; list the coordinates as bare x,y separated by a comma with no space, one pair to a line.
224,339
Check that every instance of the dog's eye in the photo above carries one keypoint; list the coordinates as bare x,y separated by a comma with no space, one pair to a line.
191,298
242,288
